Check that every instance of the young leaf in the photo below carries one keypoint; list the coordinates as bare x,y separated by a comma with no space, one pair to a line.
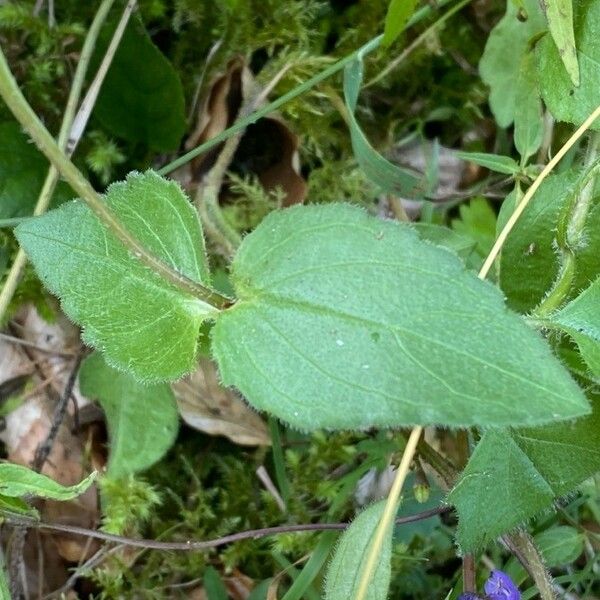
346,567
513,475
560,22
17,481
528,263
560,545
140,322
529,129
505,47
398,14
565,101
141,99
581,319
389,177
493,162
142,419
346,321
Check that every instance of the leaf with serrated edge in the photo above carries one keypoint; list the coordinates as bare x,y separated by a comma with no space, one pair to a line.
17,481
346,321
514,475
566,101
127,403
506,44
348,562
140,322
581,319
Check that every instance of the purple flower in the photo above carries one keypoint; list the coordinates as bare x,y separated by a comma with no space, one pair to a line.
469,596
501,587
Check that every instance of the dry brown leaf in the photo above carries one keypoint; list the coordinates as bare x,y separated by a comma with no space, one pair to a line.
209,407
268,149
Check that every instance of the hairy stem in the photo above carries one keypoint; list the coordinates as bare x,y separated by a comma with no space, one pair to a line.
14,99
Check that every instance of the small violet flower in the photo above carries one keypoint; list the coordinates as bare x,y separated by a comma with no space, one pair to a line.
469,596
501,587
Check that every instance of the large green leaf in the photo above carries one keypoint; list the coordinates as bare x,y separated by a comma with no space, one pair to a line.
529,263
140,322
560,22
347,321
566,101
22,172
17,481
504,50
581,319
141,99
513,475
348,563
128,403
388,176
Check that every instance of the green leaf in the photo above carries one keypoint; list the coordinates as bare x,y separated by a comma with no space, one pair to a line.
514,475
528,263
447,238
565,101
17,481
507,43
140,322
17,506
347,321
127,404
214,588
477,222
141,99
560,546
581,319
22,172
348,563
389,177
4,587
493,162
529,128
398,14
560,21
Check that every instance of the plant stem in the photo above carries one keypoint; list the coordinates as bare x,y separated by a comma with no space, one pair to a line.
570,233
438,463
391,507
501,239
240,125
14,275
14,99
521,544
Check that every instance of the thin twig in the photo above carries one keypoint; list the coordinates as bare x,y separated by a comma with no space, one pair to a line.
206,544
11,339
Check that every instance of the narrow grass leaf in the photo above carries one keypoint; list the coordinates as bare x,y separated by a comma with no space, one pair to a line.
388,176
560,22
493,162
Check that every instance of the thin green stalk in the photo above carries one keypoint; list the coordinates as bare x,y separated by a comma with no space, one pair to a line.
297,91
14,275
16,102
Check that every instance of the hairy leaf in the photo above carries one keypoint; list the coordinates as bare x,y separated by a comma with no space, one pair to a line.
529,263
388,176
501,61
581,319
560,545
348,563
398,14
139,321
17,481
142,419
141,99
347,321
513,475
565,101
